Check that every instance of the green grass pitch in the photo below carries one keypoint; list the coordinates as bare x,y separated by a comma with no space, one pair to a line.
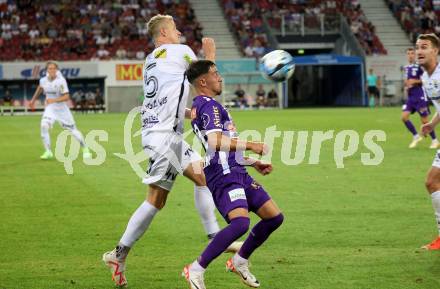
356,227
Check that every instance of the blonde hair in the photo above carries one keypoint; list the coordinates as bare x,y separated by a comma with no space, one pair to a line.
155,24
51,62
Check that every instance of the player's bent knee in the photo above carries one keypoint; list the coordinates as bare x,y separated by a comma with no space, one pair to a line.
404,117
241,225
277,221
424,120
199,180
157,196
195,174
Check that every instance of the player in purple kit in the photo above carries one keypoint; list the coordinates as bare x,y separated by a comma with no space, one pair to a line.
416,100
235,193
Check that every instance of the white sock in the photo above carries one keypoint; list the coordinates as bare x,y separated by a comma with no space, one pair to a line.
239,260
206,207
45,136
138,224
436,204
79,137
195,266
416,136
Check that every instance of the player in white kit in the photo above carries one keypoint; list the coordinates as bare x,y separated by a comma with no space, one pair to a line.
166,91
427,49
54,86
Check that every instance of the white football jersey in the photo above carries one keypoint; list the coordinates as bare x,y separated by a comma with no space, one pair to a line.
431,86
55,88
166,88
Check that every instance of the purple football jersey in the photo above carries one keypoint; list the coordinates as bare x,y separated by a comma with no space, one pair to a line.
207,116
414,71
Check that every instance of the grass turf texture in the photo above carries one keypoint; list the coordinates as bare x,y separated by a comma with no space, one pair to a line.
357,227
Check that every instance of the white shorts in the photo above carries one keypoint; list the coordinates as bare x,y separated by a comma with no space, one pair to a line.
59,113
169,156
436,162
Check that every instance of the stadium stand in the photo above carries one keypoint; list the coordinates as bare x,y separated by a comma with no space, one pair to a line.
247,24
416,17
77,30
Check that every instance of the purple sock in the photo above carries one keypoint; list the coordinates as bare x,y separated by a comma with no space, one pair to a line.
259,234
237,228
409,125
432,134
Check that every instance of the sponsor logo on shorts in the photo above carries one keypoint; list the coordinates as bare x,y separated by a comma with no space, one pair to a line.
170,176
149,121
189,152
237,194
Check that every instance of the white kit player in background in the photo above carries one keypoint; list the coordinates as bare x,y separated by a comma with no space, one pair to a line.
427,48
166,91
54,86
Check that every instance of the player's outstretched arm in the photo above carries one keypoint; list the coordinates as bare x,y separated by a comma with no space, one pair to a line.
261,167
220,142
208,46
37,94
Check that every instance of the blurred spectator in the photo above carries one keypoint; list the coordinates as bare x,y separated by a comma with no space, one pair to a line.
250,100
34,33
121,53
261,96
102,39
72,30
7,98
91,100
140,55
80,48
258,49
373,87
240,100
416,17
102,53
78,99
246,21
99,98
249,51
272,98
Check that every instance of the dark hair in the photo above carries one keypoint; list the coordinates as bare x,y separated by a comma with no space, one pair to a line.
198,68
410,49
431,37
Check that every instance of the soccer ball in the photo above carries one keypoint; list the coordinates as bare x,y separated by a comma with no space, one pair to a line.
277,65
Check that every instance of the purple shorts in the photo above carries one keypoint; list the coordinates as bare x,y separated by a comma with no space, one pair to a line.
421,106
237,190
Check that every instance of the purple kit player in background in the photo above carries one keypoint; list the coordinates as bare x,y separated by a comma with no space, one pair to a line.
416,100
235,193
